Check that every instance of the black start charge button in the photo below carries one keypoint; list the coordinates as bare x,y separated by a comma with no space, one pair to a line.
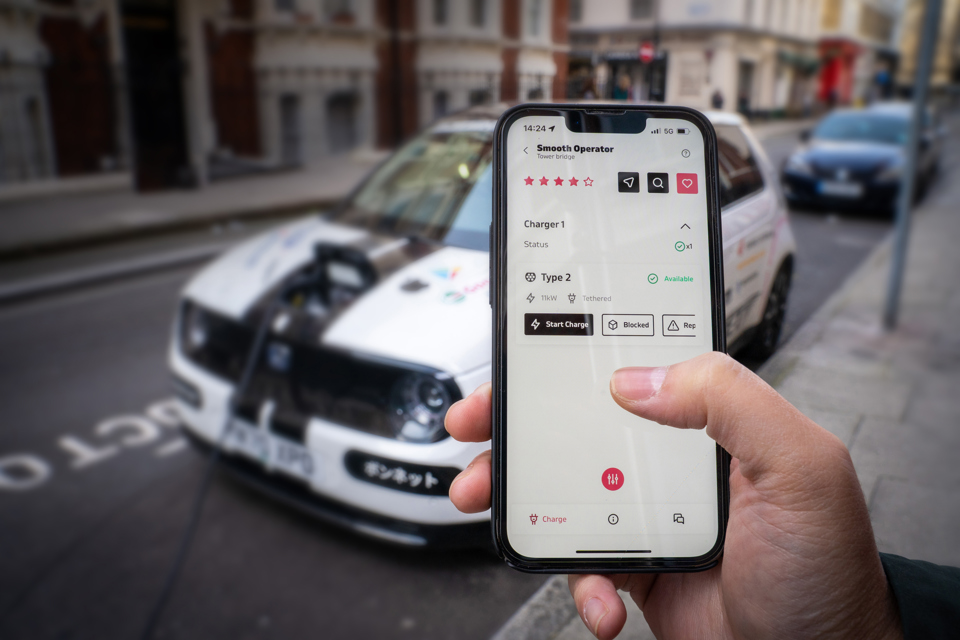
558,324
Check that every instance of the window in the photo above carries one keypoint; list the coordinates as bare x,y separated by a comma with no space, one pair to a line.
576,10
534,16
290,129
478,13
739,173
479,96
748,12
440,12
285,6
641,9
831,15
768,15
342,122
441,104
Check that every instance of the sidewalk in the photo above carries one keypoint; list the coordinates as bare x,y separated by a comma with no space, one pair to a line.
59,222
891,397
54,223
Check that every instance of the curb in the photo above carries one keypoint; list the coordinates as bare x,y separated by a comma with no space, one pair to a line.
542,616
120,269
175,225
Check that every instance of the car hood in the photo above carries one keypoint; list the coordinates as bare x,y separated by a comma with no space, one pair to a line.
429,305
829,154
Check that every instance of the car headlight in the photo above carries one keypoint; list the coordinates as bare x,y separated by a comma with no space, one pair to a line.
418,405
892,172
796,164
194,328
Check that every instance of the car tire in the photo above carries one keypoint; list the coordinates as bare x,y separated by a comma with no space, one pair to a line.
766,336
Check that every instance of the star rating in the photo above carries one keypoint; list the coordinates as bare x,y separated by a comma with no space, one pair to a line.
558,181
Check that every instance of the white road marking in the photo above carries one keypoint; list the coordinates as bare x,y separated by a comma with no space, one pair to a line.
172,447
22,471
143,431
85,455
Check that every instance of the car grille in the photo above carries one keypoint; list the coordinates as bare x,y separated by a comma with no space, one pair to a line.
332,385
859,174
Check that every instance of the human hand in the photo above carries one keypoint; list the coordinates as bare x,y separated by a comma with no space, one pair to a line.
799,558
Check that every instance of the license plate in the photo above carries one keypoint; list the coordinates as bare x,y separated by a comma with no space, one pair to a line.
841,189
272,452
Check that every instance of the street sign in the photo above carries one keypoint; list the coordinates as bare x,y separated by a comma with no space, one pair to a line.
647,52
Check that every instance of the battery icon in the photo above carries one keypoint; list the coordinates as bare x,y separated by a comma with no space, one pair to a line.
683,131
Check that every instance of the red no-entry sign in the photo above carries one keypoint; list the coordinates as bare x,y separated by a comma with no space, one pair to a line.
646,52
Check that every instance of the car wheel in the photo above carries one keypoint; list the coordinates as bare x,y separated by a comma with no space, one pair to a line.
767,335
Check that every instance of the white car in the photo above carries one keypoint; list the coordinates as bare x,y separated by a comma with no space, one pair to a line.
383,322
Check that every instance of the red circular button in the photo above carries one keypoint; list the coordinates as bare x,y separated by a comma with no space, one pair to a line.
612,478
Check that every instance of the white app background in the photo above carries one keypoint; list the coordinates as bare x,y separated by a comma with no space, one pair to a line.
586,478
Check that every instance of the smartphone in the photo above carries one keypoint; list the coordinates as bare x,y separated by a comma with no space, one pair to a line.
605,253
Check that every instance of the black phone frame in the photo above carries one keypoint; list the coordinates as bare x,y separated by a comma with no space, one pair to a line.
613,118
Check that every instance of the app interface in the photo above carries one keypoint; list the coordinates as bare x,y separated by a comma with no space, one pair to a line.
607,267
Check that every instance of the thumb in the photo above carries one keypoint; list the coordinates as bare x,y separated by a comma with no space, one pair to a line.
741,412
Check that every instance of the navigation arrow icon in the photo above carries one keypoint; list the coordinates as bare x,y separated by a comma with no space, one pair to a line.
525,150
684,226
628,182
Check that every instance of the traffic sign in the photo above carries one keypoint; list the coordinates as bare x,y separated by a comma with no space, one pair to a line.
647,52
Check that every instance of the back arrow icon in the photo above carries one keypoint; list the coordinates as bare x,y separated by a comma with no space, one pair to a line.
525,150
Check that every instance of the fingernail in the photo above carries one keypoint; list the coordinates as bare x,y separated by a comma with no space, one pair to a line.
638,383
462,474
593,612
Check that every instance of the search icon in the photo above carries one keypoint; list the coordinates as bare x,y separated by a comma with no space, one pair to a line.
658,183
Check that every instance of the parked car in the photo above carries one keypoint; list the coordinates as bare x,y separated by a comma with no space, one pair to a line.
854,159
384,323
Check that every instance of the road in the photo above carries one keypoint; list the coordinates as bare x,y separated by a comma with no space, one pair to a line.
95,484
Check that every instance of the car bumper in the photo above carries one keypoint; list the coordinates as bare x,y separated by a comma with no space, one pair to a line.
335,494
803,190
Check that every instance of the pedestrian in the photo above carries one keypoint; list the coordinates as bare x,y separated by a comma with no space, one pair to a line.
589,91
800,559
716,100
622,90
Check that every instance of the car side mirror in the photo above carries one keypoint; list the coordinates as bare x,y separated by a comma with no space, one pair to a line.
805,135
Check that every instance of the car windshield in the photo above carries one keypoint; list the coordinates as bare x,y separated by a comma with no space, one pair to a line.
438,187
863,127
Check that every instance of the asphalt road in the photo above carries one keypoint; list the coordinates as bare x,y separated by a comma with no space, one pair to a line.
95,483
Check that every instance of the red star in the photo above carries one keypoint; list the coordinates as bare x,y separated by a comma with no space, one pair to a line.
558,182
544,181
588,182
573,182
528,180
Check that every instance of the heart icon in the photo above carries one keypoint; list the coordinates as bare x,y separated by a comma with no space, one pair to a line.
686,183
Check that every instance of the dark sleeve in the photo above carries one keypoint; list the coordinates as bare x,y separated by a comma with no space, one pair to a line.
927,594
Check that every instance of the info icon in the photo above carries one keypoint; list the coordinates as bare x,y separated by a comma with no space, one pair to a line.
531,276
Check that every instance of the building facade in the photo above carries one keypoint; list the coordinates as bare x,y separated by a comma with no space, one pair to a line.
751,55
186,91
946,62
858,50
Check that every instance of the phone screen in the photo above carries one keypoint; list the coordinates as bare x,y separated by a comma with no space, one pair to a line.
607,265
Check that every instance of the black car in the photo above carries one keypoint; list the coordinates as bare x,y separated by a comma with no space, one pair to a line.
854,159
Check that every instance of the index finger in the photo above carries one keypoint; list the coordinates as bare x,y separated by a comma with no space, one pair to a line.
469,419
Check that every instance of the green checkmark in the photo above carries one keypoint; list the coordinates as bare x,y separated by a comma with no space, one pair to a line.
652,278
679,246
